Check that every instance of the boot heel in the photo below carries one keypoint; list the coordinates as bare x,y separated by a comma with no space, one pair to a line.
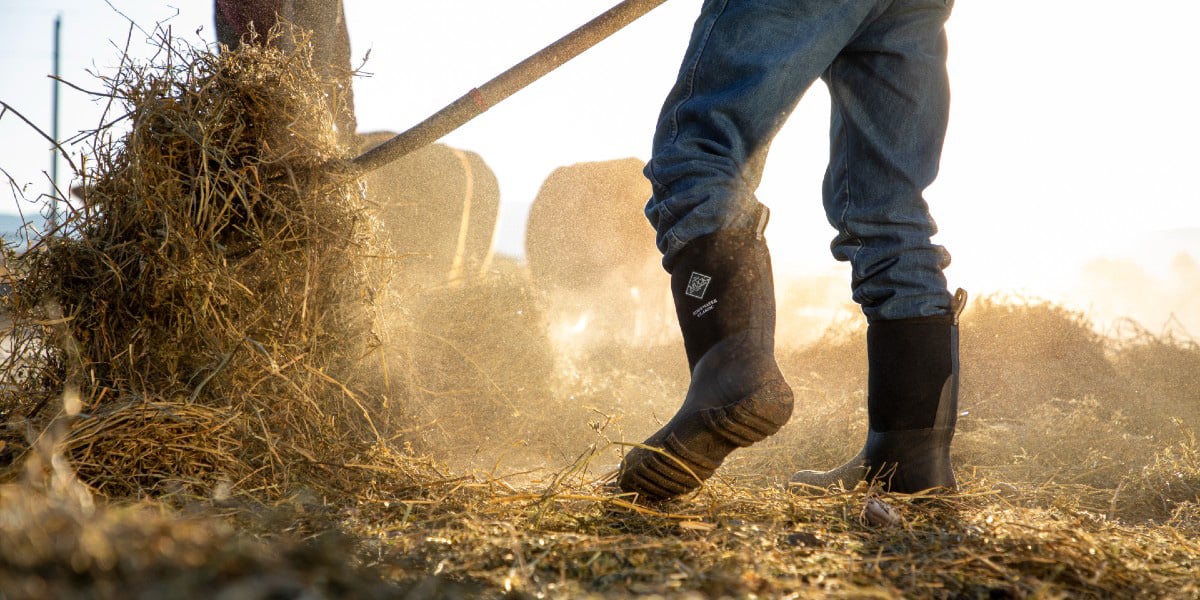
752,420
912,461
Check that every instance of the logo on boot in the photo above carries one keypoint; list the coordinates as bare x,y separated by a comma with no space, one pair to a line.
698,285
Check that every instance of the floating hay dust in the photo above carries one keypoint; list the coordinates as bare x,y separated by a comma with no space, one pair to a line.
481,361
215,282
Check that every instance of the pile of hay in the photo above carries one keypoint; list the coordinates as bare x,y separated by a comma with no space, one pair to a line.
212,300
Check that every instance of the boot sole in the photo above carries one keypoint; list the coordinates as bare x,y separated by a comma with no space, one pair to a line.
696,446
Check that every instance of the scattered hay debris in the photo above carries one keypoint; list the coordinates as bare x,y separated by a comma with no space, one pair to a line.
730,541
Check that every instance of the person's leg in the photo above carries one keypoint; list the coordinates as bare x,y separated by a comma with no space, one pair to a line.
345,117
226,31
724,299
235,19
912,405
890,103
745,70
891,99
330,39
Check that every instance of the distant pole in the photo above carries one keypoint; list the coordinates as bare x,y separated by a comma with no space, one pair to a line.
54,125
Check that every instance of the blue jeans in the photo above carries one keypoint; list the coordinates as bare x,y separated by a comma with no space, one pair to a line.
748,64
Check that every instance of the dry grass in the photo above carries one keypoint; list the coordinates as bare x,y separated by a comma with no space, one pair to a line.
733,541
201,401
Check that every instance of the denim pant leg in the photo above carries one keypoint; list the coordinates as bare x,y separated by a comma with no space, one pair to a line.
746,67
890,103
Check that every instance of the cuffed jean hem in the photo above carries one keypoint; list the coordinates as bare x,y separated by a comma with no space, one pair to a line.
705,216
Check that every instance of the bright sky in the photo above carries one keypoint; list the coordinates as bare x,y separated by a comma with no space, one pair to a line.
1073,130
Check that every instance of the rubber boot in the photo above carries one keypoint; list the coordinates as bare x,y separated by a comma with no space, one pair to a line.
725,302
912,407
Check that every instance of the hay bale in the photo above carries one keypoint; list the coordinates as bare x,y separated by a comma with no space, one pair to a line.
219,266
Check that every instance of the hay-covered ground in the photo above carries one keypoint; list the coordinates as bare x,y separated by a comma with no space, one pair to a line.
218,385
1060,497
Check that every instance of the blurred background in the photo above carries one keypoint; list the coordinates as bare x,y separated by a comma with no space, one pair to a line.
1068,172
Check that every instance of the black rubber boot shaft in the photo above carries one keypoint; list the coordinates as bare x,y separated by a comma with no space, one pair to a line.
725,301
722,286
909,362
912,406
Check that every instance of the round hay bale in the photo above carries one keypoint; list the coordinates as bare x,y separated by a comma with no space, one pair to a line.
438,208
